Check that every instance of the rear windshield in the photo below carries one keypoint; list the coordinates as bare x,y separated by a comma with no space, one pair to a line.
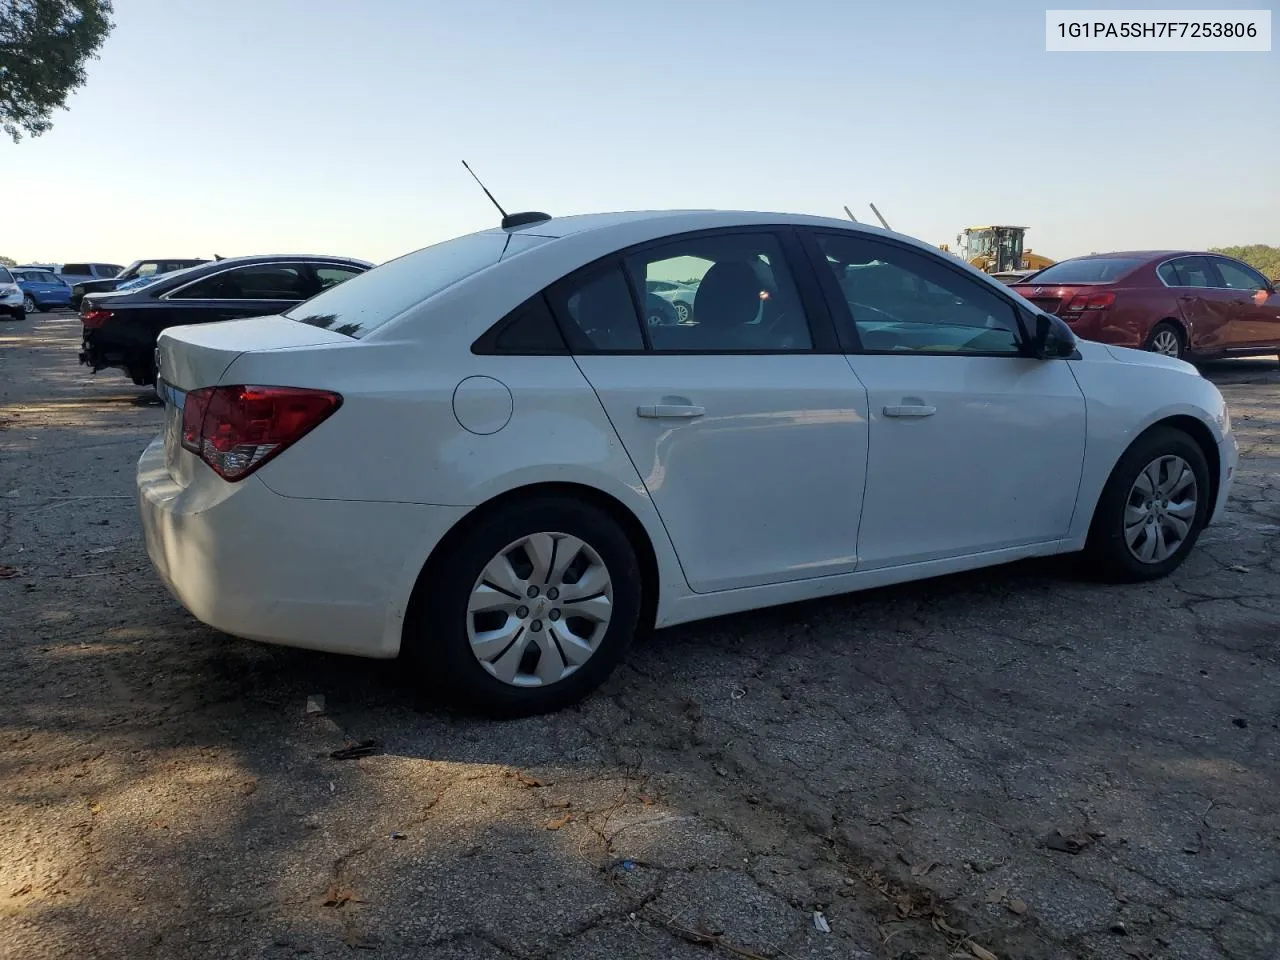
365,302
1092,270
5,275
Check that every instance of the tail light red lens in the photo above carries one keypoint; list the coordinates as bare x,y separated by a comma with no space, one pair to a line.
92,319
236,429
1090,301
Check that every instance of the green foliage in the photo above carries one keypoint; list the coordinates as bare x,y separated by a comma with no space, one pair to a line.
44,46
8,262
1261,257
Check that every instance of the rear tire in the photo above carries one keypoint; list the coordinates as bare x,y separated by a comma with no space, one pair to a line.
1137,533
1166,338
29,304
467,629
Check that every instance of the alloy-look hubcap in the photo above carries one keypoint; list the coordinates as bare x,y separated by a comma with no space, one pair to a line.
539,609
1166,342
1160,509
29,304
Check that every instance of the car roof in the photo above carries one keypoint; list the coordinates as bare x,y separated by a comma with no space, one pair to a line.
677,221
1141,254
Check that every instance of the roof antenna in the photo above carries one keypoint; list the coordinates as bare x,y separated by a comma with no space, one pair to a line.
884,223
485,189
850,213
509,220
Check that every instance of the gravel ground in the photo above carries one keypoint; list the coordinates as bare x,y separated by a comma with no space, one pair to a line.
906,761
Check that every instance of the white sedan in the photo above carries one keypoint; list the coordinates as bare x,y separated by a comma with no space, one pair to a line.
480,458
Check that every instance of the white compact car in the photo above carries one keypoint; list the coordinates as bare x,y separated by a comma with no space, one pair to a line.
479,456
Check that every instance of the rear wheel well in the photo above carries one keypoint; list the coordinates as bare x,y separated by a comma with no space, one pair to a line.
1176,324
605,503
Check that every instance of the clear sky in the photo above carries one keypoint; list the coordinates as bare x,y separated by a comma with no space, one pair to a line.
257,126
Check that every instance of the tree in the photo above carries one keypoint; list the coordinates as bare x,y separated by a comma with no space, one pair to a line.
8,262
1264,259
44,46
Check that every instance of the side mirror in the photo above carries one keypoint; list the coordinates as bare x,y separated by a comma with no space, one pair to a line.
1052,339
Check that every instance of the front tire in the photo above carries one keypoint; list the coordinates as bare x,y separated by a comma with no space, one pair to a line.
29,304
1167,340
528,611
1151,511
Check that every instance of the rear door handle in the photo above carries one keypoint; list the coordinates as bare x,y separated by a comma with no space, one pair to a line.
910,410
673,411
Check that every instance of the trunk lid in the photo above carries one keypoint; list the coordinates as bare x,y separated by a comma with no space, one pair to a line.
197,355
1051,298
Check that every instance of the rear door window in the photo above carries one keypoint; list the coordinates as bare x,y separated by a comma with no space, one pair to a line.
1188,272
77,269
259,281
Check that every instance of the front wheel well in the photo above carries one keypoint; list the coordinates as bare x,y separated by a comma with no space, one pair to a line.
1203,438
605,503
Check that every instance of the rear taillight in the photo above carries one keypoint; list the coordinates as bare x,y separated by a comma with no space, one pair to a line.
92,319
235,430
1090,301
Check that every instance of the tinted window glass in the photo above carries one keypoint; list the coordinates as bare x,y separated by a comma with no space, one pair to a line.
109,269
366,302
599,314
265,281
904,300
1090,270
1237,276
5,275
80,269
332,276
1189,272
721,293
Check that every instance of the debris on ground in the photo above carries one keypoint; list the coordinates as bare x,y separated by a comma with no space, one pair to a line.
559,822
98,550
982,953
315,704
1017,906
7,573
1238,568
1240,722
1119,929
340,896
397,835
1073,842
365,748
820,922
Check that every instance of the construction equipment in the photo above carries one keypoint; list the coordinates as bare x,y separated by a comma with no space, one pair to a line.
997,249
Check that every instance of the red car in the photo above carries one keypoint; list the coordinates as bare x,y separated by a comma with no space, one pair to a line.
1183,304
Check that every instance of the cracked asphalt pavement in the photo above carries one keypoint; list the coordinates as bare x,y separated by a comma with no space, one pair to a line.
1015,762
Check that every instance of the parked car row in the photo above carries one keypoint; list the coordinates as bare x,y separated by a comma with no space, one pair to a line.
1183,304
121,326
49,286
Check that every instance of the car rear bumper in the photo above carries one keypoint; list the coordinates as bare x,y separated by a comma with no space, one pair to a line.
331,575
